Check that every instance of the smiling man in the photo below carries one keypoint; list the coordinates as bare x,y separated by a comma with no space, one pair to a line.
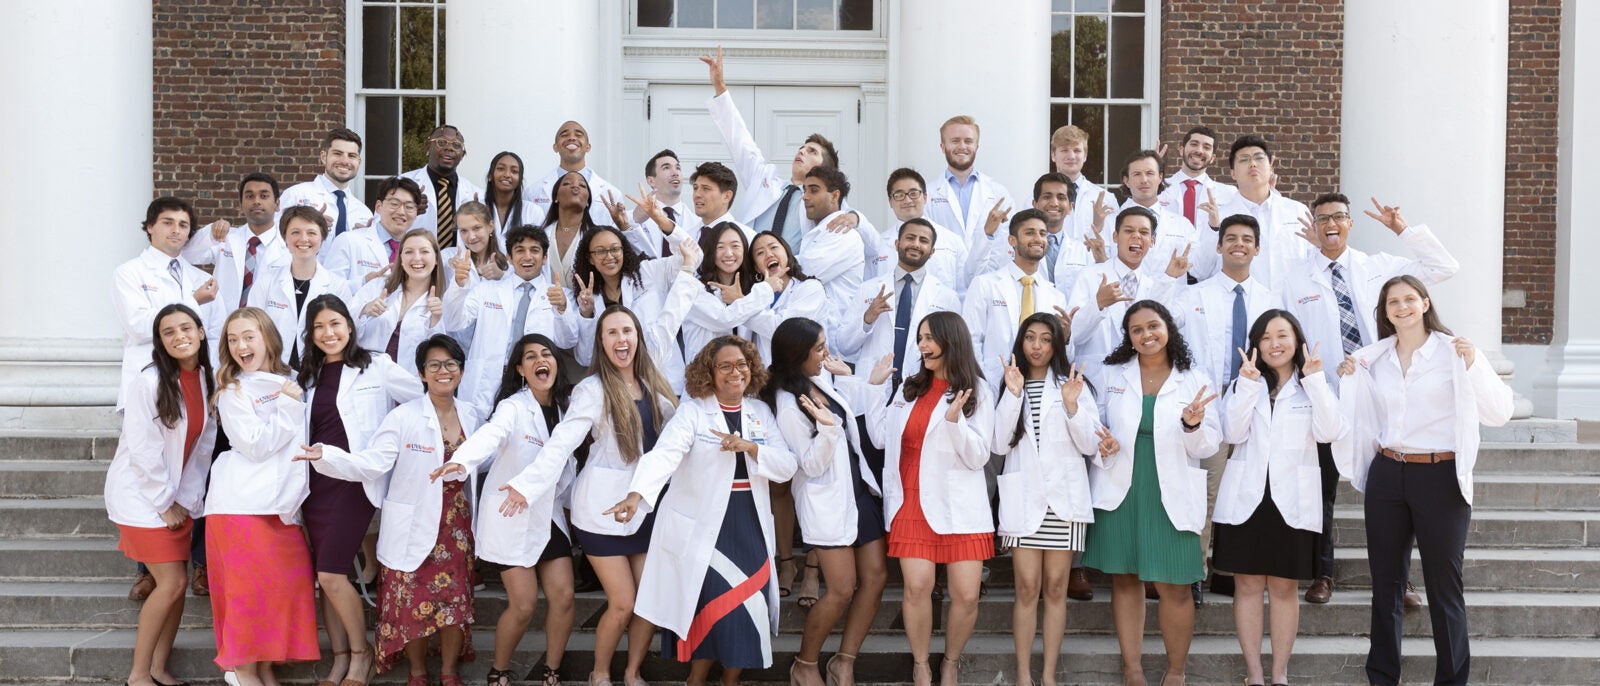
239,254
331,192
962,197
572,149
1102,292
835,259
1187,187
1141,178
998,301
445,189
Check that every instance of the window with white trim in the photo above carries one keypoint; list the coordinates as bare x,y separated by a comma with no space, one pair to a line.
758,15
397,51
1104,77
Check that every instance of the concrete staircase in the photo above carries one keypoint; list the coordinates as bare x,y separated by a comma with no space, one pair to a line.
1532,573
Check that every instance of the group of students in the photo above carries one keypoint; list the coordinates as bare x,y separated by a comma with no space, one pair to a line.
973,374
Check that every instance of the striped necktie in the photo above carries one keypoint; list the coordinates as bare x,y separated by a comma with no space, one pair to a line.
249,269
447,214
1349,330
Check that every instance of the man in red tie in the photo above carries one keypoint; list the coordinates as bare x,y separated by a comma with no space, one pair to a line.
1186,188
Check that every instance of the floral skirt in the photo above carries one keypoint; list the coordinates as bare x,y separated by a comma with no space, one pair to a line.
417,604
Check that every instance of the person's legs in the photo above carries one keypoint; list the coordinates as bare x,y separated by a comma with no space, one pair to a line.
165,602
1323,569
451,639
417,657
1214,466
1127,612
522,600
639,631
965,580
249,674
560,608
783,525
1285,599
1248,590
730,676
1389,529
872,574
699,672
839,569
1441,518
347,626
1027,567
916,610
1057,566
1177,628
616,577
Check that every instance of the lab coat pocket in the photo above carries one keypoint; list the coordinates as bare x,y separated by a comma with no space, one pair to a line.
967,499
599,488
672,533
1194,502
1310,500
395,531
1014,504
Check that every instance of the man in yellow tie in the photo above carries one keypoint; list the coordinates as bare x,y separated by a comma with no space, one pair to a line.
997,302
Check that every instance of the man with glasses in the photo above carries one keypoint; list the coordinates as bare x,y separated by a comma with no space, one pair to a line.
445,190
331,192
368,253
1334,293
1252,162
908,197
572,148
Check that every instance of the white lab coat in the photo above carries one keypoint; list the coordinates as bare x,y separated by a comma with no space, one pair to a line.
805,298
510,442
954,496
488,310
646,237
1277,443
1178,452
944,207
761,183
605,477
466,192
1096,332
948,262
993,311
416,324
274,293
407,447
365,397
532,215
1172,197
689,516
318,193
660,331
836,260
646,299
142,286
1480,396
708,317
865,344
824,488
1205,317
1173,233
148,474
540,194
227,258
353,255
1045,470
265,428
1281,246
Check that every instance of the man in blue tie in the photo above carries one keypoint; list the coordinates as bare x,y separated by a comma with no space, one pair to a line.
331,192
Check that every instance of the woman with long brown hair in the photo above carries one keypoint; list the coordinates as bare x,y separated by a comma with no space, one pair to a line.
406,307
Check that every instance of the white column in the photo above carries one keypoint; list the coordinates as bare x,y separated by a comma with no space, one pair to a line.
77,133
516,71
939,69
1569,385
1424,121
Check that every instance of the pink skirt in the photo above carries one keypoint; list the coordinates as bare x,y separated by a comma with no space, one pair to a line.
262,603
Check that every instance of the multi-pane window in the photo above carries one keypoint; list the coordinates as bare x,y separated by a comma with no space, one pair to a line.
401,95
788,15
1103,68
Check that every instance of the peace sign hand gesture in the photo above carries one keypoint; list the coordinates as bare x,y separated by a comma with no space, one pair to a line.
953,414
619,213
1180,263
1071,389
1096,244
1248,369
646,206
586,295
1108,443
1210,208
1195,412
714,65
1102,209
1388,216
1013,376
997,216
878,306
823,417
1313,359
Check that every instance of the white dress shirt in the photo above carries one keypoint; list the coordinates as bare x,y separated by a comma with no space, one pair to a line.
944,206
1205,317
1173,233
1418,404
1173,195
318,193
1096,332
1281,245
142,286
993,311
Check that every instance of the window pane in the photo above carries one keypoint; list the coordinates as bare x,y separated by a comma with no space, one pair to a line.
1092,119
1092,6
416,47
439,58
1127,57
1089,65
855,15
736,14
382,149
1060,57
815,15
419,116
1123,136
698,14
1060,5
1127,6
774,14
377,47
655,13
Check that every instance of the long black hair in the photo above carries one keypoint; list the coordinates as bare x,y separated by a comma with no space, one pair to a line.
1269,375
583,268
587,224
511,381
313,358
795,272
1177,350
1059,366
961,368
169,391
516,194
707,271
792,343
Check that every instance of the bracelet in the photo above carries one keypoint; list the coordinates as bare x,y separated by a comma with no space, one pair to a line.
1187,426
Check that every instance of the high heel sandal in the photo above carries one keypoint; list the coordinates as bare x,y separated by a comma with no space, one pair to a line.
786,572
794,681
810,587
849,667
321,682
498,677
948,664
923,666
551,675
372,667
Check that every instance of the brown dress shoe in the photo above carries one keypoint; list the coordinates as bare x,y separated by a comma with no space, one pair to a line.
1413,599
1321,591
143,586
199,584
1078,587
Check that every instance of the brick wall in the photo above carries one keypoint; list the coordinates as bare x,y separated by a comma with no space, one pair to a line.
1531,130
1273,68
241,88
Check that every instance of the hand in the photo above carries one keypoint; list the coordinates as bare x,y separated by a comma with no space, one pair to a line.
1180,263
1071,388
778,276
646,206
381,273
823,417
1012,376
585,295
735,443
490,271
1389,217
1210,208
1161,152
1313,359
1066,317
1247,366
174,517
878,306
435,306
1308,231
462,264
730,294
308,453
455,468
881,370
557,298
690,252
219,230
1108,442
714,66
997,216
953,413
292,389
1110,293
614,207
364,223
206,292
844,223
625,510
1102,209
378,306
1096,244
836,366
1195,412
1465,349
514,504
1348,366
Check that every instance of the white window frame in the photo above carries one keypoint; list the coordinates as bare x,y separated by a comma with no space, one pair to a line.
874,35
356,93
1149,104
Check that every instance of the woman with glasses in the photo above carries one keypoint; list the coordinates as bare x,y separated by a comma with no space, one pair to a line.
407,306
425,540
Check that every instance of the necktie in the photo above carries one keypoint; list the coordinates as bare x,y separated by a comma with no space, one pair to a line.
176,272
1051,252
781,218
519,319
1027,299
249,268
342,224
666,249
902,326
447,214
1189,196
1349,330
1130,284
394,249
1238,330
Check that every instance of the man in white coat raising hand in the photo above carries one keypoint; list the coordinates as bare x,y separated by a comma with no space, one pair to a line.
962,197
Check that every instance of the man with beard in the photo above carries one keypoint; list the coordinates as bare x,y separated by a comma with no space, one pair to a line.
835,259
330,192
997,302
1187,187
572,147
1141,177
445,190
962,199
1055,195
239,253
887,308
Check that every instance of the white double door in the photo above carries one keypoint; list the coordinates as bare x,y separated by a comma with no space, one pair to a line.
780,118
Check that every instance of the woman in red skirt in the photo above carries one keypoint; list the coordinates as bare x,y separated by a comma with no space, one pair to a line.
936,435
157,481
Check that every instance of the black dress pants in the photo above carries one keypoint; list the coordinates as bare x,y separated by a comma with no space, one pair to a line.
1330,485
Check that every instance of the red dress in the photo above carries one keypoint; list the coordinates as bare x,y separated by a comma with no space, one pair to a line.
909,534
160,544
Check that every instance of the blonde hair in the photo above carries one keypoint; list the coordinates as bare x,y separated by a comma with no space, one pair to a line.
228,369
397,275
1067,135
961,119
624,414
491,250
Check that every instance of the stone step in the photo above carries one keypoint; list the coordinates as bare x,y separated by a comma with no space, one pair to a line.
52,478
83,445
57,517
84,605
96,655
1517,492
1496,528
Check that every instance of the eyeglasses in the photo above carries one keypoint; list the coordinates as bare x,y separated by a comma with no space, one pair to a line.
606,252
912,194
1337,217
434,366
399,205
1257,158
446,144
726,368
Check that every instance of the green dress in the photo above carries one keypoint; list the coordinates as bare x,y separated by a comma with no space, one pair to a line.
1138,537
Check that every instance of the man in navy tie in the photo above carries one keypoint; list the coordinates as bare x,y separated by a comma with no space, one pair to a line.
331,192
